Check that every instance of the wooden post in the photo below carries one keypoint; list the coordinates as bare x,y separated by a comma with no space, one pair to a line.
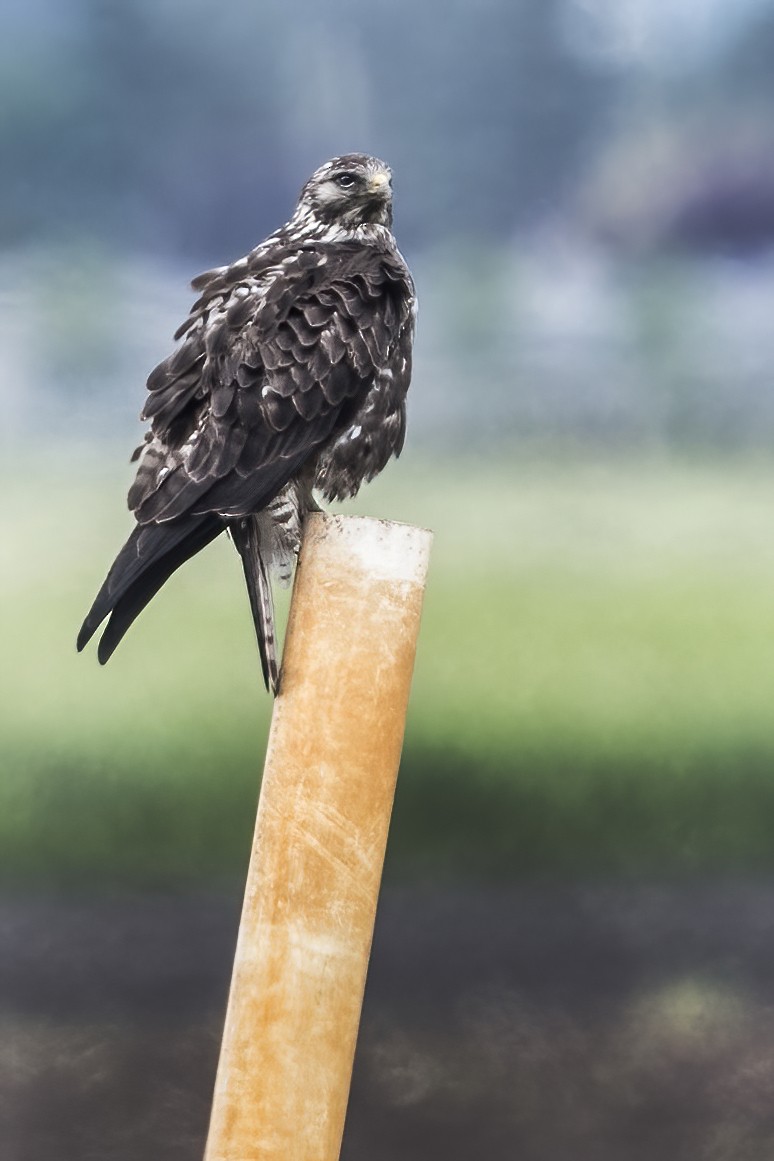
312,887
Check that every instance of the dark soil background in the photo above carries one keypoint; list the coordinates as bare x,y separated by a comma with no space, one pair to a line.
537,1023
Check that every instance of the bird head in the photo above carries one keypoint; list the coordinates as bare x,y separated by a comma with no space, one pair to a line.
352,190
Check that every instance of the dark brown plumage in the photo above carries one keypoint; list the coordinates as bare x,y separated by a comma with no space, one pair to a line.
291,374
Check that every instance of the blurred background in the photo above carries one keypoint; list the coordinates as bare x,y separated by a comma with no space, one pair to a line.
571,955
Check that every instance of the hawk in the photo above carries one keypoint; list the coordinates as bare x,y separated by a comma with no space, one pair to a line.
290,376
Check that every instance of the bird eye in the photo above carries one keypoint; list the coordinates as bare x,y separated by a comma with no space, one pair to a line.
346,180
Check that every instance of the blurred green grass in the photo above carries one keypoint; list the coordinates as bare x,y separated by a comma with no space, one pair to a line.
593,691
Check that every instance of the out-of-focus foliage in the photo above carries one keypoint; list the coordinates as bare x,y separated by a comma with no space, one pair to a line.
584,190
593,689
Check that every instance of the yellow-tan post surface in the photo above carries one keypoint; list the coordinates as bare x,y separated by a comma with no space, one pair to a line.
328,785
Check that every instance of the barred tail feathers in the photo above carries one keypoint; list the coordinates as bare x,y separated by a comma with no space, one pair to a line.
246,535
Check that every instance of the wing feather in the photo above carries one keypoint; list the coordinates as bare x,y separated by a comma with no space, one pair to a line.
271,372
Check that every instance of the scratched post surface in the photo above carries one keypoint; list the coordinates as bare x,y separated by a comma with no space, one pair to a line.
305,934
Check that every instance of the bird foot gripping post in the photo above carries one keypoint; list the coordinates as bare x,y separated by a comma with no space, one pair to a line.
313,882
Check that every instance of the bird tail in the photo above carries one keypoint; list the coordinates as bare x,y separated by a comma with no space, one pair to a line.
148,559
246,535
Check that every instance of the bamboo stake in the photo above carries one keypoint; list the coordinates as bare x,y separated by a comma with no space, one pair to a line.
312,886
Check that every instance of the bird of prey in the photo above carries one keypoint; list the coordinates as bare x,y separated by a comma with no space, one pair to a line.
290,375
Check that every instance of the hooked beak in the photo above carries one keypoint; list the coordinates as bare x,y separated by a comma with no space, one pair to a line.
379,184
